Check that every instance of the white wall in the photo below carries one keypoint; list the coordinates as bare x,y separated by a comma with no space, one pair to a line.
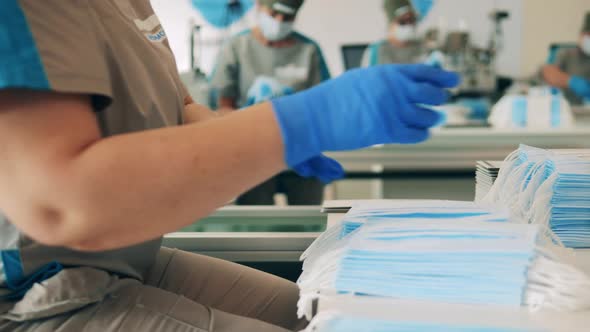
335,22
546,22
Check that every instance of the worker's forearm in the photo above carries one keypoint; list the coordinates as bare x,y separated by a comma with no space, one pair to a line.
135,187
194,113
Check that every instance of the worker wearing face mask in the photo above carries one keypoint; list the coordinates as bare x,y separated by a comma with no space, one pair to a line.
402,44
571,69
268,61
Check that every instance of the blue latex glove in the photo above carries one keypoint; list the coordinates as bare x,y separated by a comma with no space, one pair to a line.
362,108
266,88
580,86
321,167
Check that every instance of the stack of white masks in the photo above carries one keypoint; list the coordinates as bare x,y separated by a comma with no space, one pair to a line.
396,211
547,187
338,322
467,261
541,108
486,173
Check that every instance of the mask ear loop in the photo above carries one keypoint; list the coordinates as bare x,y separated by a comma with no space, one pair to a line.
318,252
492,196
320,277
324,240
509,192
324,264
554,283
516,163
520,186
540,212
323,319
527,191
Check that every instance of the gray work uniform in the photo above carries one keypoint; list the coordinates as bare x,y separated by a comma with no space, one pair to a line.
383,52
117,52
299,66
574,62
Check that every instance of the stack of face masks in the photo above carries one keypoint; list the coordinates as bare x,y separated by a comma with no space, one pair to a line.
466,257
541,108
547,187
396,211
486,173
335,322
513,177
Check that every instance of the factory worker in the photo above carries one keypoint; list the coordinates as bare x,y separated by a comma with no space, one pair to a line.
103,152
265,62
571,69
402,44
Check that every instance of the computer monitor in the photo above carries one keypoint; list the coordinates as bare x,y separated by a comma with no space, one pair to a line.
353,55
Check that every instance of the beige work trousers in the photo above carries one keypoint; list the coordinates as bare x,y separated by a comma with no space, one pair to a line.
184,292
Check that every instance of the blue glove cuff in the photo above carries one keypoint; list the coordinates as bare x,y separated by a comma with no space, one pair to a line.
296,124
580,86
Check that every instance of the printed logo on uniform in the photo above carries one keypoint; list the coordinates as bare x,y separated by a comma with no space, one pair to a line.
157,37
152,29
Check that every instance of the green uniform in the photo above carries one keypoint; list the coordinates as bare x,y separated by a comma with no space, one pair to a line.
244,59
574,62
384,53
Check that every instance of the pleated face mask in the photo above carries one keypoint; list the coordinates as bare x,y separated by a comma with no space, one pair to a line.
547,187
447,261
404,210
395,212
431,260
562,201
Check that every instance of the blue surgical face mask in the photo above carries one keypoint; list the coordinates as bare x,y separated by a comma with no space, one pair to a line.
561,202
585,46
427,259
428,250
272,29
266,88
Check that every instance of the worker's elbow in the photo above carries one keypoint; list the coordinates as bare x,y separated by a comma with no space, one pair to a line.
57,227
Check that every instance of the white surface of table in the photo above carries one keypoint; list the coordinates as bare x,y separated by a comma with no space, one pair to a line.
456,314
250,246
459,149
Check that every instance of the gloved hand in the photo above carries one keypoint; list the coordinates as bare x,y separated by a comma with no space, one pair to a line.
435,59
363,107
321,167
266,88
580,86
